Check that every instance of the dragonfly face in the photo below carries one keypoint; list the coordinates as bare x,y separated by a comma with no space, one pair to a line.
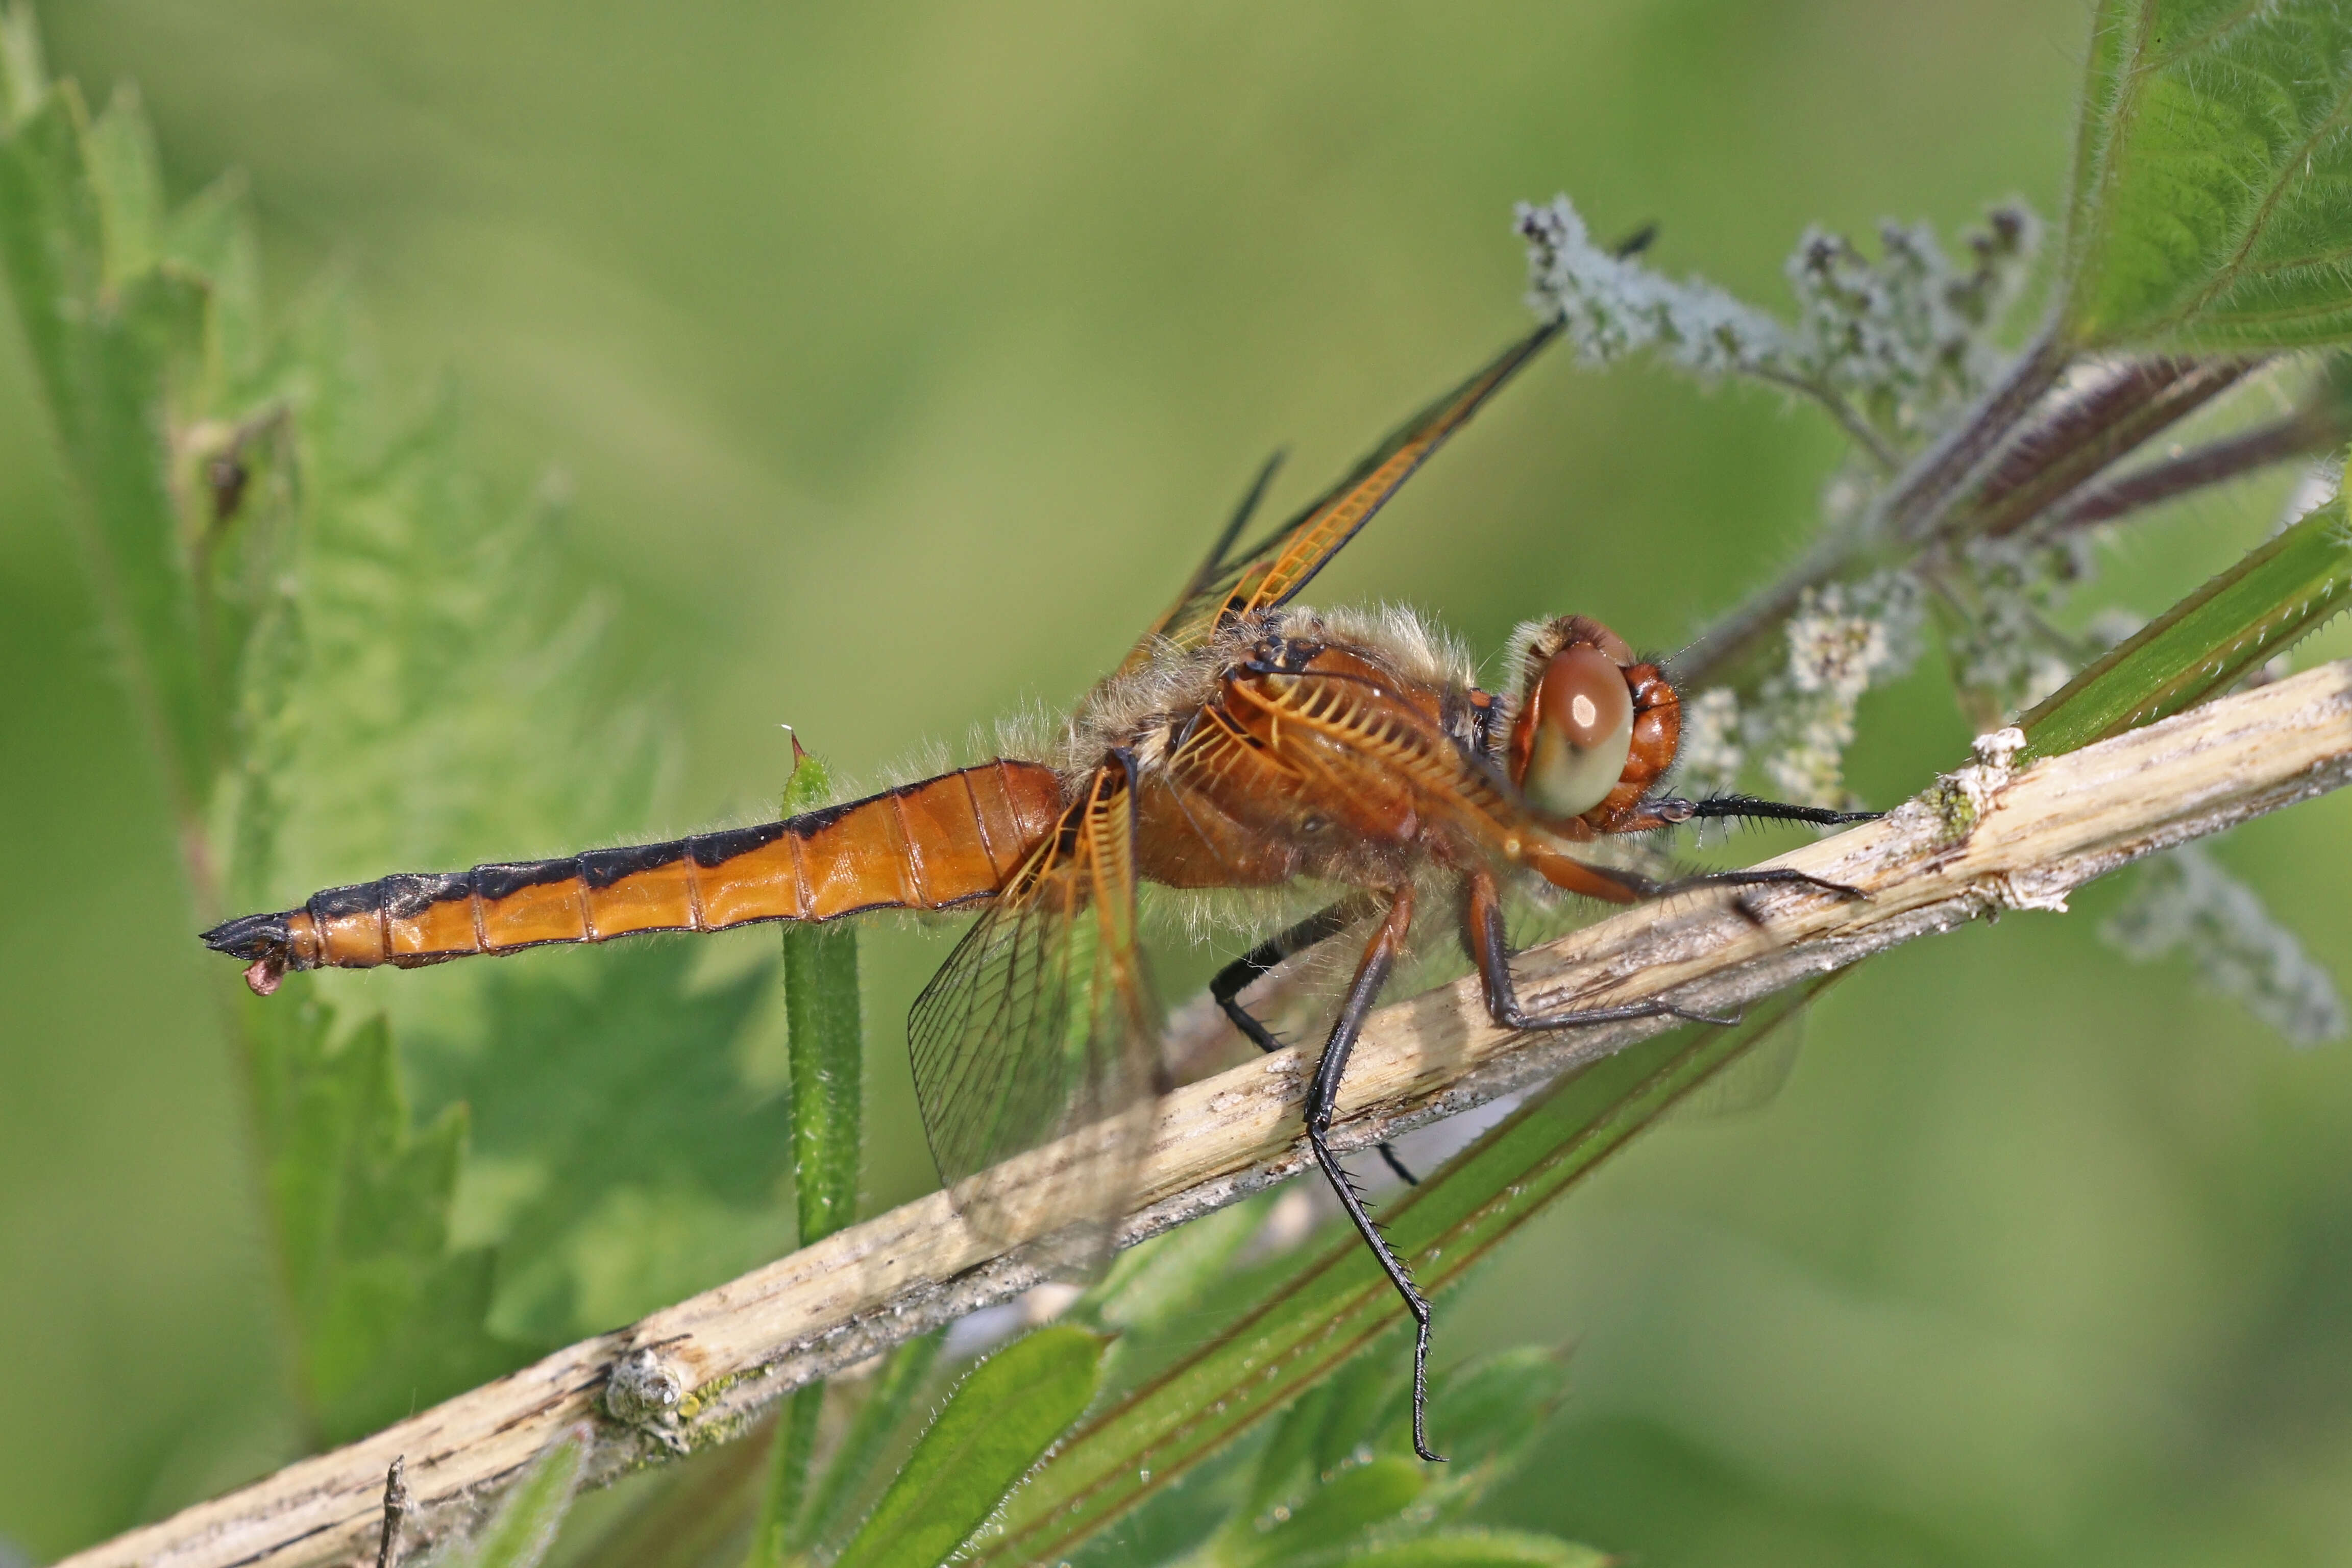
1243,742
1351,750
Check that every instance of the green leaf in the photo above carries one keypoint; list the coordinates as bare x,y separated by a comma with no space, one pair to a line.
1496,1405
389,1317
889,1397
521,1532
1330,1424
125,177
1347,1506
212,235
1167,1277
1331,1299
789,1454
2254,612
2212,192
450,706
620,1159
997,1423
1285,1467
105,348
1480,1549
23,79
1176,1524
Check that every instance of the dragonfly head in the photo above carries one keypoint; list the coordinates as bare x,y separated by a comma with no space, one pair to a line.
1593,725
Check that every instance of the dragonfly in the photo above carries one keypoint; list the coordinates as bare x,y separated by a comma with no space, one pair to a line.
1245,742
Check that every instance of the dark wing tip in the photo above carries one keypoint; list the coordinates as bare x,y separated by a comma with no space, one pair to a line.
249,936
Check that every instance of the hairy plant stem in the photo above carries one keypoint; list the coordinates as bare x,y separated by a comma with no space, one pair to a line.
2077,444
1998,475
1857,429
2308,433
1911,507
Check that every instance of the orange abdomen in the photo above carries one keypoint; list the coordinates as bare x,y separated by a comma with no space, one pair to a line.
944,841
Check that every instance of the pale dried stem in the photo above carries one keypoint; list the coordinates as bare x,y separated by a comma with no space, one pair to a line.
1980,842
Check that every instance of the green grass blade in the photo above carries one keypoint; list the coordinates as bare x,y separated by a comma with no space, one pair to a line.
1480,1549
1333,1300
827,1039
519,1533
2257,609
997,1423
2207,208
789,1452
1350,1503
891,1396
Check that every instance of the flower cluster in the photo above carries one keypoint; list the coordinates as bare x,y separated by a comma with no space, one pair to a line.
1843,637
1899,343
1612,305
1897,348
2006,654
1708,760
2185,903
1905,338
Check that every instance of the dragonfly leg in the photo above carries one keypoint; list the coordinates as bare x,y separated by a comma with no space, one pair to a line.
1381,955
1666,811
1483,932
1262,960
1752,877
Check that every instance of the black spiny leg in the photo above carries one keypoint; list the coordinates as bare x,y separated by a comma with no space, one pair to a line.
1669,809
1483,933
1322,1102
1262,960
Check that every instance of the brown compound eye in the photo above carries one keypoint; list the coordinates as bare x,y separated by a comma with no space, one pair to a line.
1583,731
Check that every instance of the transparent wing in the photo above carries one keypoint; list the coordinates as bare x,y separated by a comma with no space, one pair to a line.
1234,582
1036,1045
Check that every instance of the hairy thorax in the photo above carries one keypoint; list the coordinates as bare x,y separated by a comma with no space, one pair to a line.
1352,748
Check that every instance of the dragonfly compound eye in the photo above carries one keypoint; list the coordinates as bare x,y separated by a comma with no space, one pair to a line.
1583,732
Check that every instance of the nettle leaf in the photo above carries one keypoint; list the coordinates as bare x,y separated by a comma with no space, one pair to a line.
997,1423
108,332
621,1160
2212,192
389,1317
450,707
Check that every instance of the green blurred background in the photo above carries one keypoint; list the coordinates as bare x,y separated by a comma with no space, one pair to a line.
898,365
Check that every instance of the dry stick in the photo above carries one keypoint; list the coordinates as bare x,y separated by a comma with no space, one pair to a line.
1981,841
395,1509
